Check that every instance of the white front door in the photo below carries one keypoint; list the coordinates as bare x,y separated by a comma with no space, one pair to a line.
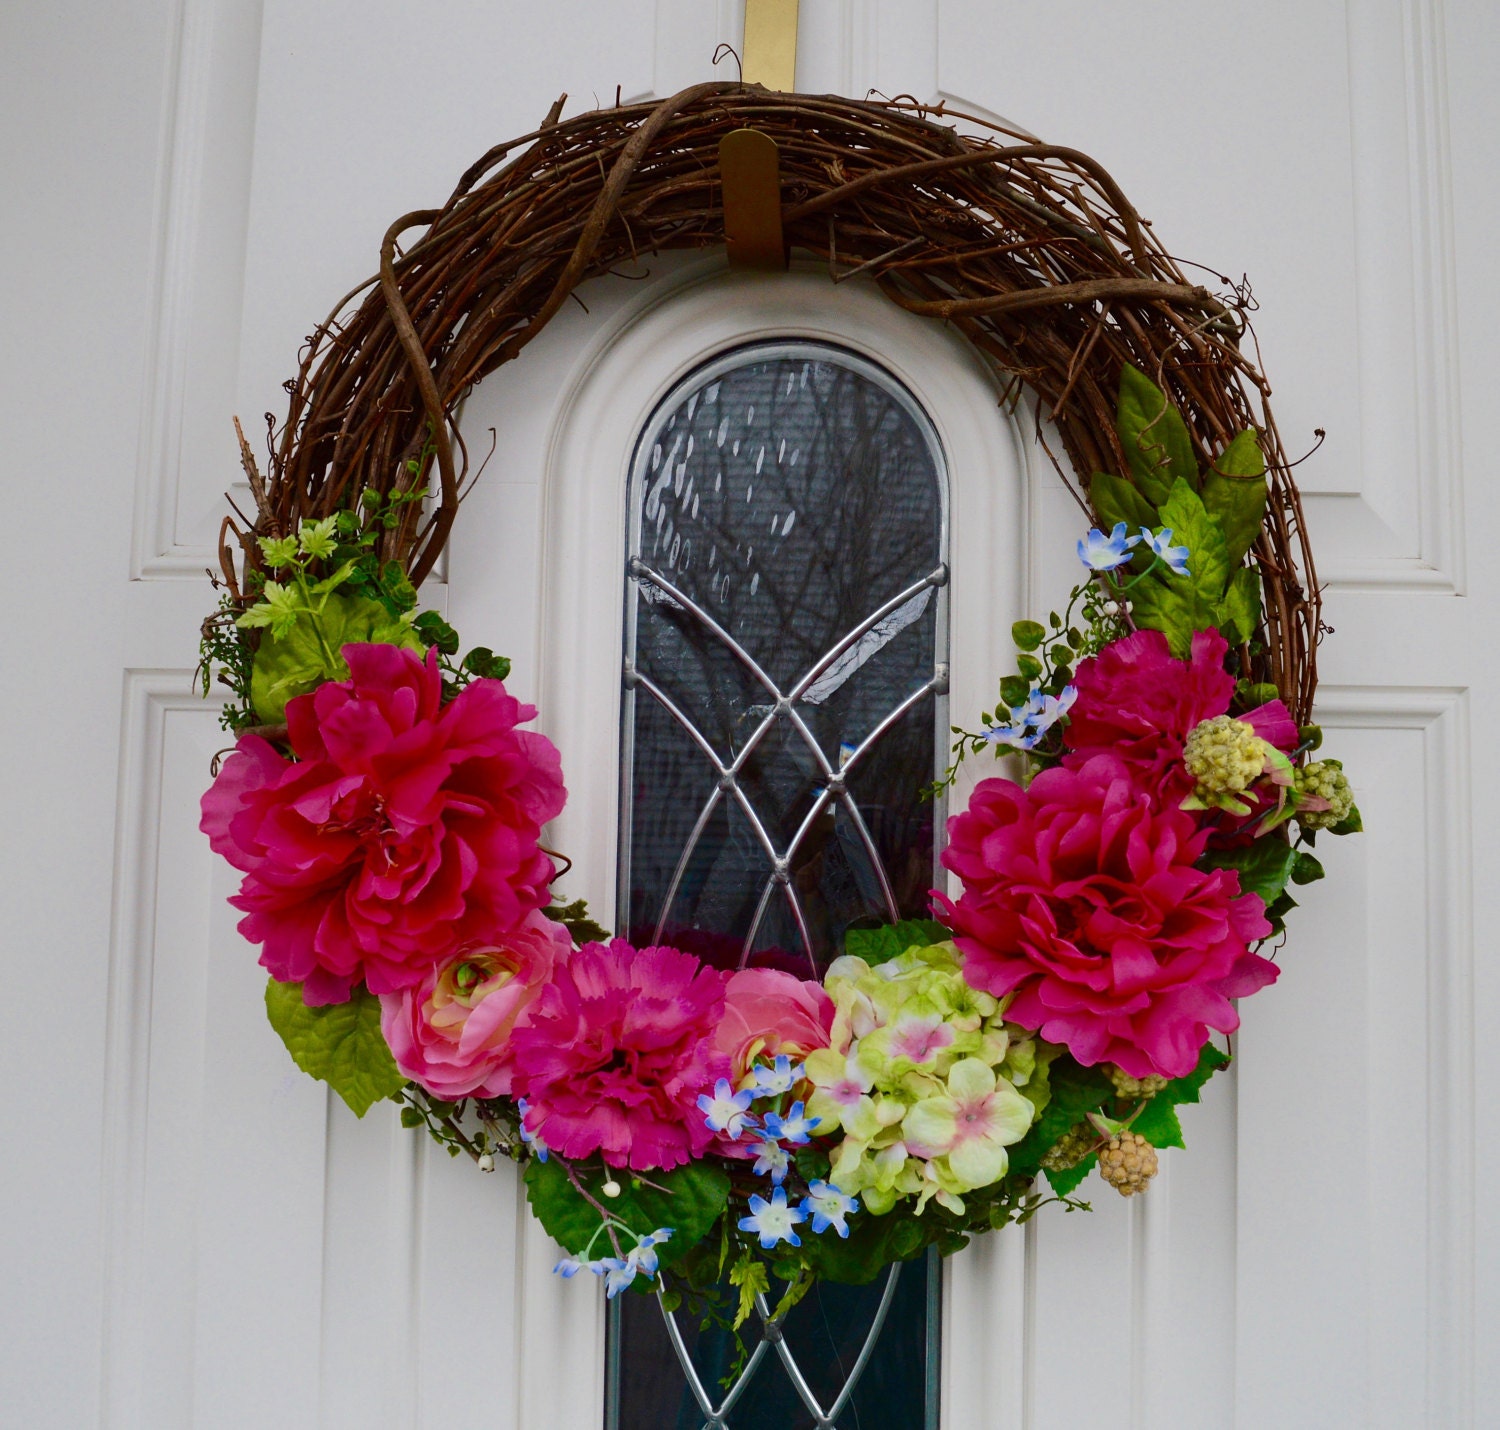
194,1237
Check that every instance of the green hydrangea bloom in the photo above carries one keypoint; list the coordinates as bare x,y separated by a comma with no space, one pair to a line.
924,1078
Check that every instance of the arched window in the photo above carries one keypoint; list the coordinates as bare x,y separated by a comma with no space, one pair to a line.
786,676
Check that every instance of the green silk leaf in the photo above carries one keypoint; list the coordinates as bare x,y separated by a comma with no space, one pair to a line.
1065,1182
1115,500
1178,612
1192,526
1076,1091
1240,611
872,1244
1158,1124
308,654
882,944
1154,436
1264,866
565,1216
340,1044
1028,635
1157,1121
1234,491
689,1202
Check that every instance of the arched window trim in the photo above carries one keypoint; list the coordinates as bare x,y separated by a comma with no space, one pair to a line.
618,362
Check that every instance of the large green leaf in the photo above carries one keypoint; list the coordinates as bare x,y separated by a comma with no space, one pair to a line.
1157,1122
1264,865
1234,491
1156,441
1240,610
565,1216
1192,526
1066,1181
882,944
1177,611
340,1044
1114,500
1076,1090
305,656
689,1202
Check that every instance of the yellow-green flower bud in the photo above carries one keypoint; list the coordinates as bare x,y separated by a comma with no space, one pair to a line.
1323,780
1224,756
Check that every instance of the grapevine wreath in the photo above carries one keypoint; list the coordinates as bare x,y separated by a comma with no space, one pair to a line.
684,1126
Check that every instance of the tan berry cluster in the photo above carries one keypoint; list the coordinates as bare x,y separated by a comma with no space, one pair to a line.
1128,1163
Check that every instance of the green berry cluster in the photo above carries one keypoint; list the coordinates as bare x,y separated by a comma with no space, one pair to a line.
1323,780
1071,1148
1133,1088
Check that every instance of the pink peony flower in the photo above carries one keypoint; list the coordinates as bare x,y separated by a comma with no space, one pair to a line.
1081,902
1139,703
404,829
451,1032
767,1012
615,1053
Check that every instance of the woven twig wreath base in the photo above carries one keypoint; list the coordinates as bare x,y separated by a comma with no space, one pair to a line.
1030,250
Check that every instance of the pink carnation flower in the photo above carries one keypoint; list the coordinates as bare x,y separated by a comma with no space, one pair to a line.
615,1053
404,829
1081,902
451,1032
767,1012
1139,703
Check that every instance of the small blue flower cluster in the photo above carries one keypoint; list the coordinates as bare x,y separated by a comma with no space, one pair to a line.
728,1113
1030,722
774,1221
618,1271
1104,553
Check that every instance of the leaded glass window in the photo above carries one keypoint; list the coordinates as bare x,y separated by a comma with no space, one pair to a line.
785,674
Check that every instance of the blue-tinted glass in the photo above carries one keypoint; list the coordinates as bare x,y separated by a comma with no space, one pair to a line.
785,669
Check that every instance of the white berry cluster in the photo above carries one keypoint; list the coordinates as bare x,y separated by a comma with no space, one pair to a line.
1224,756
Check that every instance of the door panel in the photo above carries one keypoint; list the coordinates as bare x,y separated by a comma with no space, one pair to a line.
200,182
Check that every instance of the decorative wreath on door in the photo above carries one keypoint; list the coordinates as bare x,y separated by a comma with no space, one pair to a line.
683,1126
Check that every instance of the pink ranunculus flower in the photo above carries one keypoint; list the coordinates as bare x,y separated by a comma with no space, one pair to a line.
615,1053
451,1032
767,1012
1082,904
1139,703
404,828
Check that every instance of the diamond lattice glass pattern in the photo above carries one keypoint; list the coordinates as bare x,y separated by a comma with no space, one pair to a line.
785,609
785,674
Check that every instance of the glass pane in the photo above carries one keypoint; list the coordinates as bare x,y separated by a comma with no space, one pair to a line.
825,1334
785,667
784,617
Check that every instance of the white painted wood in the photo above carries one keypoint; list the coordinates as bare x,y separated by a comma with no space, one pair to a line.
193,1236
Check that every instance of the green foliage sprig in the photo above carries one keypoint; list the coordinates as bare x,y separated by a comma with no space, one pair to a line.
225,658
